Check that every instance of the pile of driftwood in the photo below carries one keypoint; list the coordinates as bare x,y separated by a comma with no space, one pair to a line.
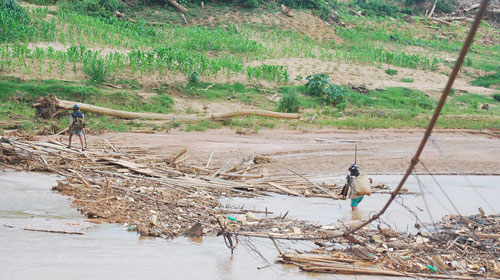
459,248
160,195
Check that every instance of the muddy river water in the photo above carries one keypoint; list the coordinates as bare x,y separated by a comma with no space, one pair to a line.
110,252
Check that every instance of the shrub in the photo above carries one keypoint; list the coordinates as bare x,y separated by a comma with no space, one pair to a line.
317,84
377,7
194,77
289,103
42,2
487,81
445,6
336,95
102,8
391,71
496,96
98,69
250,3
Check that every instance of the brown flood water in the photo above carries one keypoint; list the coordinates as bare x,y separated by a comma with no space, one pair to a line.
110,252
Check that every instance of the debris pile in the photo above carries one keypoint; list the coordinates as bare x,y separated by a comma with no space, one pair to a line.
161,196
461,248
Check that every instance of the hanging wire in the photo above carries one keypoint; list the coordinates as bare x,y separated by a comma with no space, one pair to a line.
424,199
441,188
462,173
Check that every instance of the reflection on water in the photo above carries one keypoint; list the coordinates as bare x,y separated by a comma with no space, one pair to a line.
110,252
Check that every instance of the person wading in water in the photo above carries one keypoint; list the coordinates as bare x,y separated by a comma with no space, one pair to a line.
356,187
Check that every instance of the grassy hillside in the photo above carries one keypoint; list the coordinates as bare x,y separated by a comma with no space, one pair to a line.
235,54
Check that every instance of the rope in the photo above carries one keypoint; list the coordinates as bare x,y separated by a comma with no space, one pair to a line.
437,111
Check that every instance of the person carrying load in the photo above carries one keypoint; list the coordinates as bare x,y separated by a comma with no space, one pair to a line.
76,125
356,187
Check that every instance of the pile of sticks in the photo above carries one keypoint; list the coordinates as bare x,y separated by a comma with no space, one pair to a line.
462,248
162,195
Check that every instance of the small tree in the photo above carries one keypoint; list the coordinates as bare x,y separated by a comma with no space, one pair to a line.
289,103
317,84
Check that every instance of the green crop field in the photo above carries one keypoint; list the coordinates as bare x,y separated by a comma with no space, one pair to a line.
88,55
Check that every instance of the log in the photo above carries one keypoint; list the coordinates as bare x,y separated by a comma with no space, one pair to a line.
379,272
178,155
68,105
432,10
473,7
178,6
440,21
130,165
286,11
457,19
210,157
285,189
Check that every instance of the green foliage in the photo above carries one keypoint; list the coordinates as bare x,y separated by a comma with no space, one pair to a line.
377,7
42,2
250,3
487,81
100,8
407,80
391,72
336,95
269,72
14,22
317,84
289,103
445,6
194,77
321,85
496,96
98,69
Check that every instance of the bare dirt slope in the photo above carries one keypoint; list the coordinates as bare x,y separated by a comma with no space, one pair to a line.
329,152
373,77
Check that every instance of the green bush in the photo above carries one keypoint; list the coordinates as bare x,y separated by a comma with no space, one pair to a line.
250,3
102,8
41,2
317,84
98,69
336,95
377,7
391,72
289,103
496,96
194,77
445,6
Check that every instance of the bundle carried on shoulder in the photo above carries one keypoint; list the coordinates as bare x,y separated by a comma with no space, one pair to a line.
361,185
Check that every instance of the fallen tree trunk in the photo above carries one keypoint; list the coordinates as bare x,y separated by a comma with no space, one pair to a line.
68,105
178,6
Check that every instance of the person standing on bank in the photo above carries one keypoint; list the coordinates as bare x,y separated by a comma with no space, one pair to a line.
76,125
356,187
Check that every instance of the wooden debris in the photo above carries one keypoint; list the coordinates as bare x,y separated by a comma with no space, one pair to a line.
286,11
46,106
178,6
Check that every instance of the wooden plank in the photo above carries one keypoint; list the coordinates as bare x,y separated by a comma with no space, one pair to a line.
210,159
285,189
141,169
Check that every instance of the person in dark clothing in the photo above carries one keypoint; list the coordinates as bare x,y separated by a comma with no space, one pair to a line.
76,125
